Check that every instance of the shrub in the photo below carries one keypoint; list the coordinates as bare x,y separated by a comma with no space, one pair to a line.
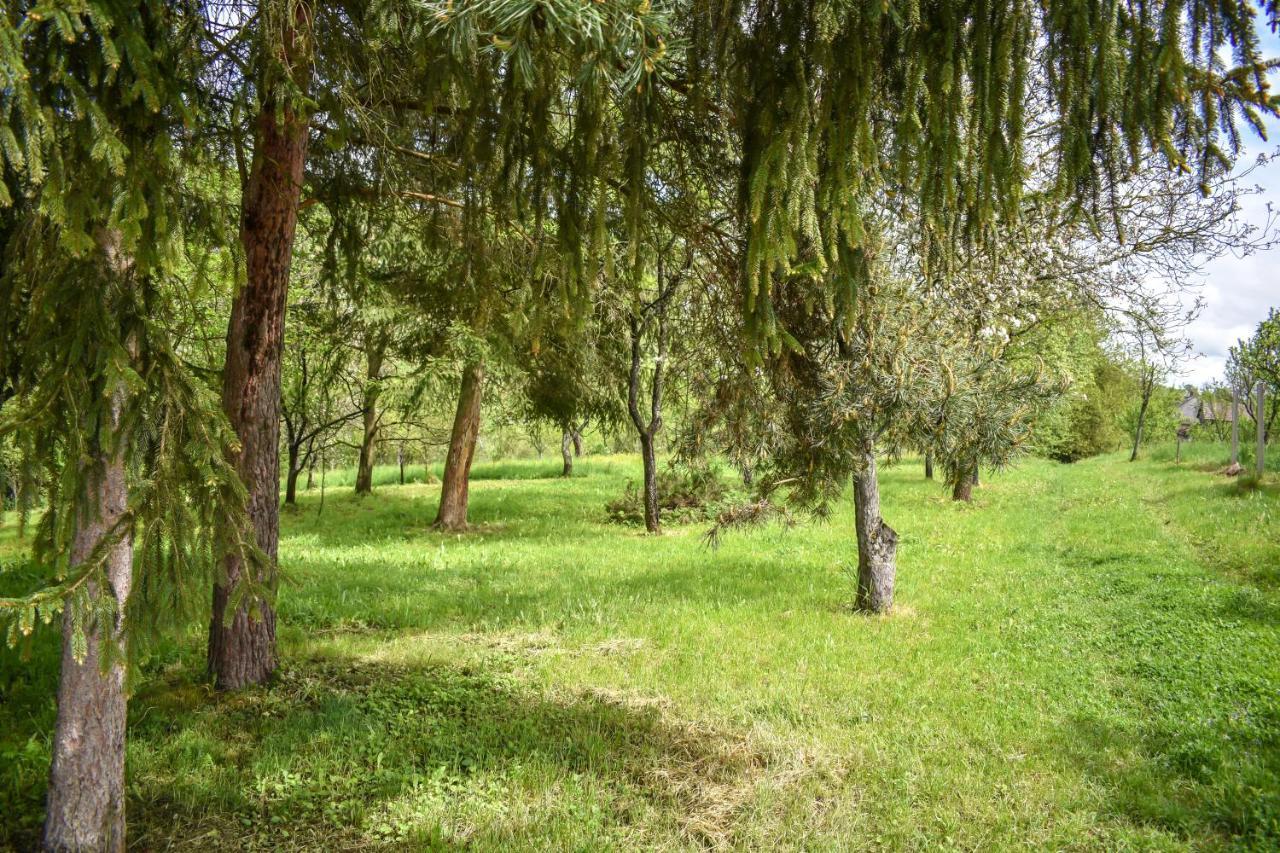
684,495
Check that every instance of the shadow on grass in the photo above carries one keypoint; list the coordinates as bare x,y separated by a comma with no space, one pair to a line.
345,753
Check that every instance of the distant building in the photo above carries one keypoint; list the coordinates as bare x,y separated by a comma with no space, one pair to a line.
1204,410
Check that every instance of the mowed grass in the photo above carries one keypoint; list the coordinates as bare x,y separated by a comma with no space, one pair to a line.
1088,657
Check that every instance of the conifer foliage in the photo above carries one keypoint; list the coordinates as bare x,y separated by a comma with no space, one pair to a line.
124,445
843,174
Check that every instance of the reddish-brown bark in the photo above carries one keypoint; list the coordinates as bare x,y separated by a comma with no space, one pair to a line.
242,645
452,514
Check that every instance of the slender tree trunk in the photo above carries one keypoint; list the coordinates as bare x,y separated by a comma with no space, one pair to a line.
877,542
566,453
452,514
648,432
242,645
372,390
576,434
311,472
1235,429
1260,458
400,461
928,465
652,520
1137,434
86,798
1142,419
292,471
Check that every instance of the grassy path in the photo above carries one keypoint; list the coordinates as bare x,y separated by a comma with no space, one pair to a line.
1088,658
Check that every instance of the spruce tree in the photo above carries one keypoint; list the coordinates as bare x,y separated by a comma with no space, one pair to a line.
125,443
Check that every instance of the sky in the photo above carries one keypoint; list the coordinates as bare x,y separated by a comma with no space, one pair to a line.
1238,291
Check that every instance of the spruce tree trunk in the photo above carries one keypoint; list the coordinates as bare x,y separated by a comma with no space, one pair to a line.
452,514
86,800
877,542
928,465
962,490
652,521
372,390
242,645
566,453
400,461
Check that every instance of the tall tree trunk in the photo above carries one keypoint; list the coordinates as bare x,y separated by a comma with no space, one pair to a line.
372,390
86,798
928,465
400,461
877,542
566,453
292,470
962,490
652,520
577,439
452,514
311,472
242,645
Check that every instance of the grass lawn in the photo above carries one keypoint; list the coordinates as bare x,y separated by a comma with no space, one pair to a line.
1087,657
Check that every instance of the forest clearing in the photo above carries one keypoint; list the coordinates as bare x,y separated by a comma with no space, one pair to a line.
1083,657
639,425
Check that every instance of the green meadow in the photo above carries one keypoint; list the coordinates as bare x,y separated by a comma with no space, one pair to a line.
1087,657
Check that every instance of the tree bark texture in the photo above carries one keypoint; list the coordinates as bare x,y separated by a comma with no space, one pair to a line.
877,542
652,516
242,645
86,800
928,466
962,490
566,453
577,439
452,514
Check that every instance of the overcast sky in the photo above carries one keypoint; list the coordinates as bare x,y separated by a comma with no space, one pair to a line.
1238,291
